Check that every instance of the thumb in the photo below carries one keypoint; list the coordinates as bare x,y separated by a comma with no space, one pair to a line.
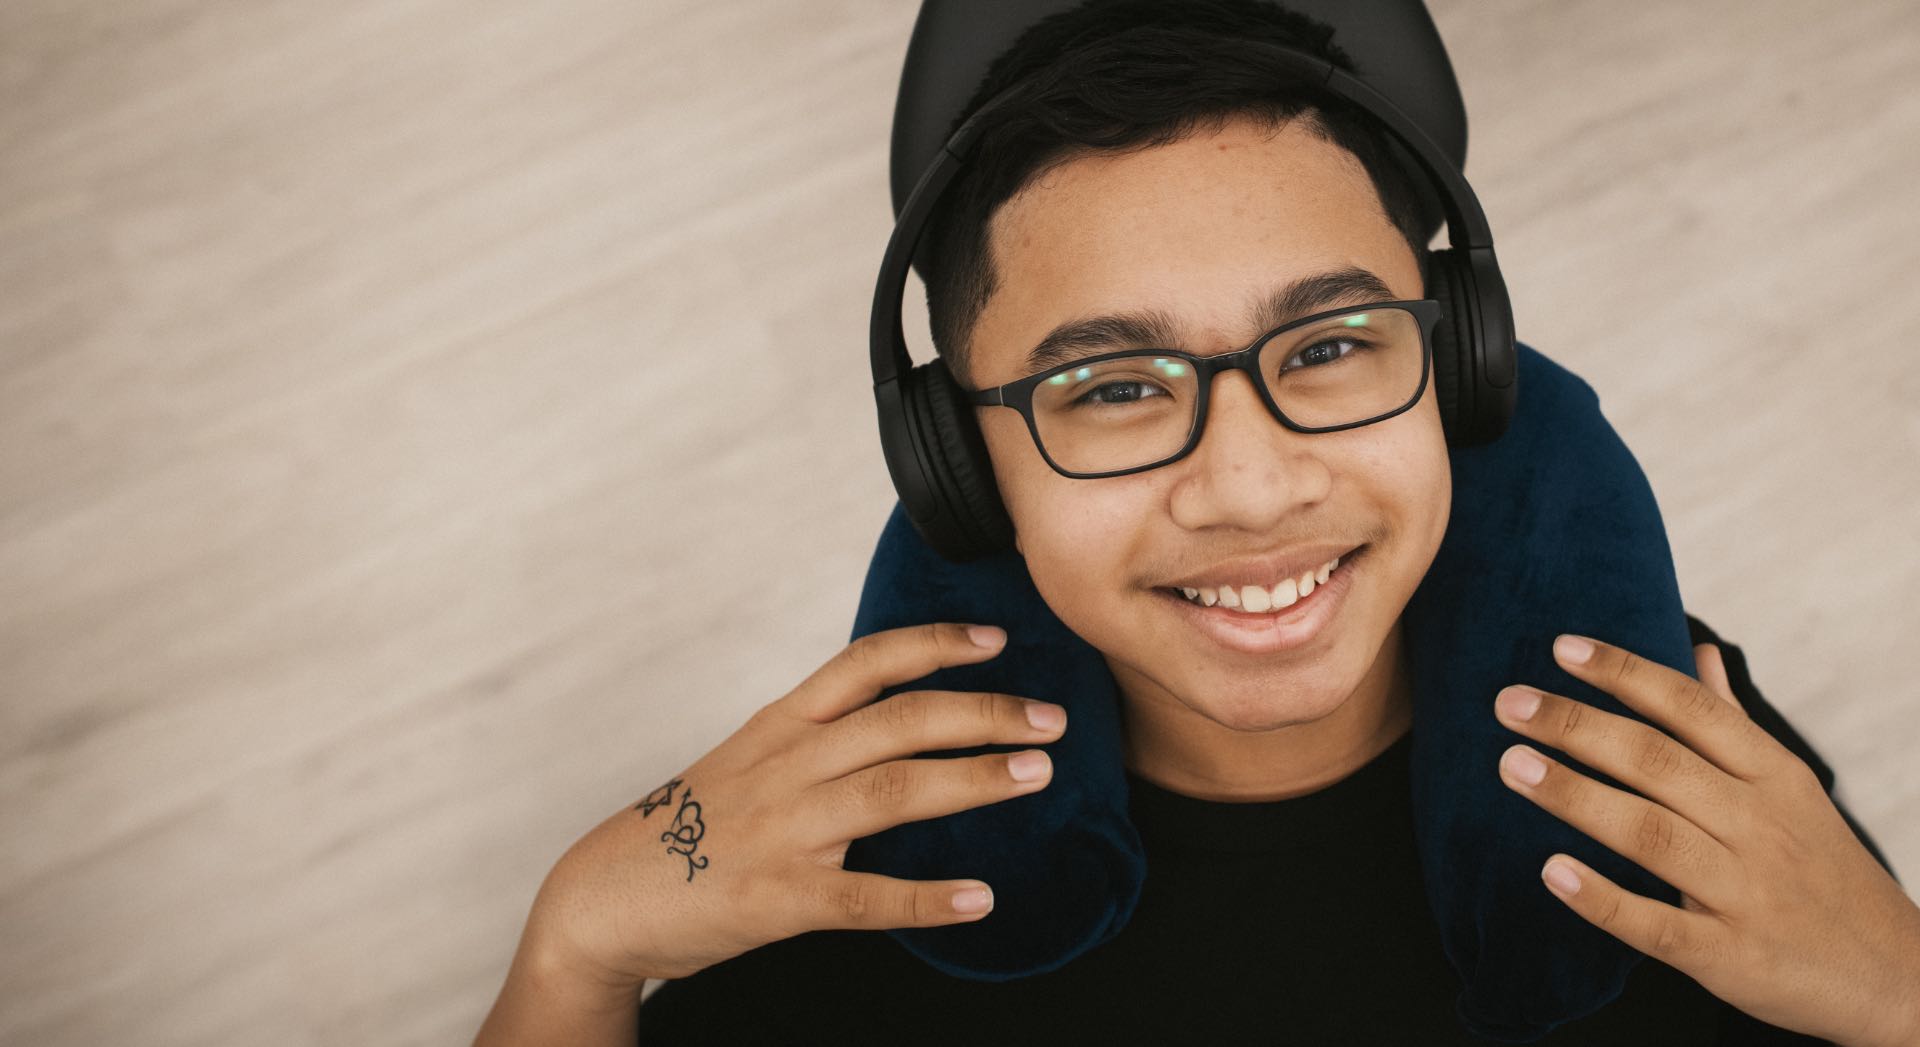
1713,671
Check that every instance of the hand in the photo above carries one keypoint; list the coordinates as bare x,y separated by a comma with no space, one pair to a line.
746,846
1784,913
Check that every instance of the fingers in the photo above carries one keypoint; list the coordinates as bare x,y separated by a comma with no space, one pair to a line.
1665,843
1638,755
841,900
1687,941
899,791
1712,667
871,663
1682,706
924,721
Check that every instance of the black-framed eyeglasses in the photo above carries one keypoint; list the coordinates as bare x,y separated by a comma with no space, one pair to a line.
1127,412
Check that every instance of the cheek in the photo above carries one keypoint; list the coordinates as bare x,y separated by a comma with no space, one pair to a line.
1413,479
1038,499
1435,468
1074,534
1017,466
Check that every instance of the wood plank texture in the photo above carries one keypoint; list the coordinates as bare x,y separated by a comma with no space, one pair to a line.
374,519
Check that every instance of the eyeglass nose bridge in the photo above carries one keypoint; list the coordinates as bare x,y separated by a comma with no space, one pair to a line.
1246,361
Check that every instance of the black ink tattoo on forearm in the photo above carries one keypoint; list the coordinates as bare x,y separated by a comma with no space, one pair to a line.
683,834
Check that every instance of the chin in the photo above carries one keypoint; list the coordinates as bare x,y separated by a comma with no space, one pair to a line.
1243,701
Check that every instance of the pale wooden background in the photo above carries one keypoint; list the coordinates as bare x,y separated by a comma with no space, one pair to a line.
367,532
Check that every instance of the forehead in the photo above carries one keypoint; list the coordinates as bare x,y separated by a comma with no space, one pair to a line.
1201,229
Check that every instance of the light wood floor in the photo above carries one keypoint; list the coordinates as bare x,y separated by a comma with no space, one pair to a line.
367,532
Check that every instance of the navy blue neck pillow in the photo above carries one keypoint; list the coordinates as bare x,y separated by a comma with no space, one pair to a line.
1553,529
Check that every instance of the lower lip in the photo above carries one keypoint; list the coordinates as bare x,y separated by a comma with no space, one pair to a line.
1269,633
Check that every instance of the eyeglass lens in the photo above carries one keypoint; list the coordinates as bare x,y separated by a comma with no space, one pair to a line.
1134,410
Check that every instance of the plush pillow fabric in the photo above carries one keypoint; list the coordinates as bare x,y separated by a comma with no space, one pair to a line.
1554,529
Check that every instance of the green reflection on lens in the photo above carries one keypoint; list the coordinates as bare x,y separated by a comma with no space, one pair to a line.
1357,321
1058,379
1176,370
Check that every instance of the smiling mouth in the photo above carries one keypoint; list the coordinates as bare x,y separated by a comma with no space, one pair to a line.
1346,561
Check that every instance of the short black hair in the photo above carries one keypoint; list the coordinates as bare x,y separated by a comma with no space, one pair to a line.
1114,75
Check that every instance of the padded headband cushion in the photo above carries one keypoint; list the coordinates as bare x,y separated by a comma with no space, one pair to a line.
1553,529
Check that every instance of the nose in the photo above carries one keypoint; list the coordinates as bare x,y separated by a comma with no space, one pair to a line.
1249,471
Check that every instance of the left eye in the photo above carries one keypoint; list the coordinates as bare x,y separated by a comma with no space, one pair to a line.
1320,354
1120,393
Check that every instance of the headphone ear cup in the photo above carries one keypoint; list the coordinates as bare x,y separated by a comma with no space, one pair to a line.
974,521
1496,365
1452,339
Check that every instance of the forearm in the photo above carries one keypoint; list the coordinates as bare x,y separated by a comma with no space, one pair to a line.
542,1002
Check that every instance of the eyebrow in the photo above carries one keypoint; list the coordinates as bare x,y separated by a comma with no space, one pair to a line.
1154,329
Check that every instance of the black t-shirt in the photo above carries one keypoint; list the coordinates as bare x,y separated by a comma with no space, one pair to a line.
1298,921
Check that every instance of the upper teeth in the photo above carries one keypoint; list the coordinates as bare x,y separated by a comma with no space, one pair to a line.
1261,598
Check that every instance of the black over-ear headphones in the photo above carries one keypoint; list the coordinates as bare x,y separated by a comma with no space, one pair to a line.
928,433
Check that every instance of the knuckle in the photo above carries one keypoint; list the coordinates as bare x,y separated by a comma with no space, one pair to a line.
1655,756
1797,773
1653,833
887,785
768,723
1609,914
1671,938
771,899
1695,700
1574,720
1713,954
1774,763
863,652
782,773
903,713
919,907
990,708
1625,669
856,902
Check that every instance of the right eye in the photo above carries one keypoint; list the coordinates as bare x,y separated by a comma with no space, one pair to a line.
1114,393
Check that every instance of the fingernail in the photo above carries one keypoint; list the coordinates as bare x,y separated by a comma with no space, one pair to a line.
1044,715
972,899
1561,877
986,635
1517,703
1574,650
1525,766
1028,766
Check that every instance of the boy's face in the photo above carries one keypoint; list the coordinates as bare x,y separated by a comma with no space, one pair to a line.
1202,230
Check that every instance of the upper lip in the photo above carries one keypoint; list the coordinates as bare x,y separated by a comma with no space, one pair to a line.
1268,569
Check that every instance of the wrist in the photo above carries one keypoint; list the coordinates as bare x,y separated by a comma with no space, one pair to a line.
550,997
552,968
